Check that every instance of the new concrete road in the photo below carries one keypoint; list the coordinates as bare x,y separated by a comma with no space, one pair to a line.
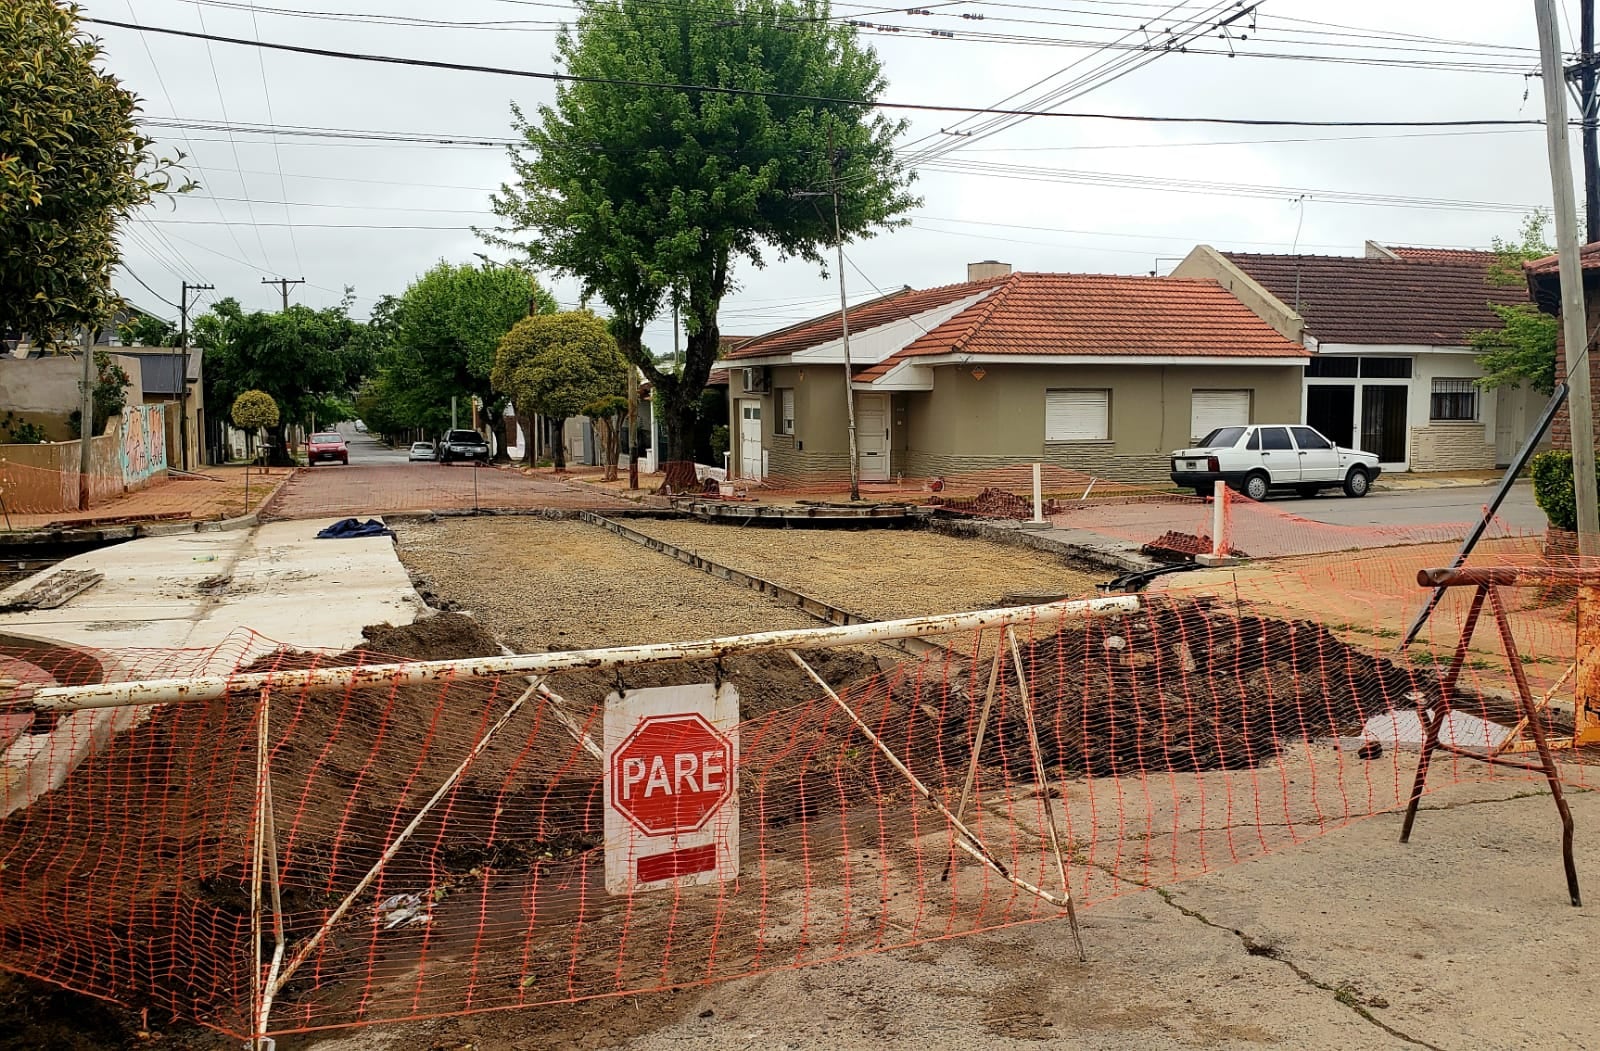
1419,507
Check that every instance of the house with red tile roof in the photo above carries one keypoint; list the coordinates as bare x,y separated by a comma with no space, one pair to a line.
1393,370
1101,373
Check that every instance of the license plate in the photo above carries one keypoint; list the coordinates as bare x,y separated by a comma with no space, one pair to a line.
1193,465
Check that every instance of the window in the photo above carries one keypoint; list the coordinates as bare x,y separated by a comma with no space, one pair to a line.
785,397
1275,438
1453,399
1307,438
1331,368
1386,368
1254,444
1210,409
1077,415
1221,438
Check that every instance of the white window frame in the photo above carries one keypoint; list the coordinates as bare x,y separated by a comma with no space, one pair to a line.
783,423
1088,428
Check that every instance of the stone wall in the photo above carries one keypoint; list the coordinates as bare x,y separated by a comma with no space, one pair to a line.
1451,447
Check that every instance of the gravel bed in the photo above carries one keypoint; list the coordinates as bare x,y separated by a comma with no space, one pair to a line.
877,572
569,585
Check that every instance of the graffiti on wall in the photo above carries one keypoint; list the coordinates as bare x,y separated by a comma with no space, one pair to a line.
144,442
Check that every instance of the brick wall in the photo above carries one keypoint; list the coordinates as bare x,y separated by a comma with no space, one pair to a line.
1561,428
1090,458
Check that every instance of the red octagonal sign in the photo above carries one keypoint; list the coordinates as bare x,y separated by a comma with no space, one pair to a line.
671,774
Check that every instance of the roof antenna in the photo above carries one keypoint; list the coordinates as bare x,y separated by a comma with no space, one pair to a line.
1294,248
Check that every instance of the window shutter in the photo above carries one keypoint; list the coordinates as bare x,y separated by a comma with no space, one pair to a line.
1210,409
1077,415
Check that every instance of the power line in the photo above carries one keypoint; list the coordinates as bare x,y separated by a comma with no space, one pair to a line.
266,91
818,99
244,187
130,272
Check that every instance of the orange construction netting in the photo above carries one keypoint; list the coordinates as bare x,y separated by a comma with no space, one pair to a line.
1224,719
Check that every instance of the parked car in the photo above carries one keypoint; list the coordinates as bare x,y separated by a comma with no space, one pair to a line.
463,445
1264,458
422,451
361,428
327,446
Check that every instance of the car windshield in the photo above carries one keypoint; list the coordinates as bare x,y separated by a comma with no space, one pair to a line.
465,436
322,439
1221,438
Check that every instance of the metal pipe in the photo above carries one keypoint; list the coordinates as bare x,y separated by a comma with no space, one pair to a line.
212,687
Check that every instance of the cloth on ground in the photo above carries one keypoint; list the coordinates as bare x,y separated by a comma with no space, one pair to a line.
346,528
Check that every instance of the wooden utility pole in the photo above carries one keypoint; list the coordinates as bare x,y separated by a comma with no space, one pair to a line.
844,323
183,376
283,284
1591,148
86,420
1580,405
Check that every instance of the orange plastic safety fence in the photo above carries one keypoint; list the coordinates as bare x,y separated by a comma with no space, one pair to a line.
1213,726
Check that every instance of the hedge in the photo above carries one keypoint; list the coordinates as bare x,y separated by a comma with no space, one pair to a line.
1553,489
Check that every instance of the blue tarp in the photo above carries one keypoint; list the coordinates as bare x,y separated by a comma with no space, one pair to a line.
346,528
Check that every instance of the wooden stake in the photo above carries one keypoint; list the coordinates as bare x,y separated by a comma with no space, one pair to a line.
977,746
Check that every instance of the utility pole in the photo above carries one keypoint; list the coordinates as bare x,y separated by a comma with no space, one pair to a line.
183,377
844,321
633,426
1573,319
283,284
1591,148
86,420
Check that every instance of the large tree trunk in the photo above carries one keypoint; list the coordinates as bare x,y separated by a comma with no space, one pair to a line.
558,443
525,422
278,455
497,427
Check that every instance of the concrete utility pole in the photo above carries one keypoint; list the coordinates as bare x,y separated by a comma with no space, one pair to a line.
86,420
1574,327
183,376
283,284
1591,148
844,323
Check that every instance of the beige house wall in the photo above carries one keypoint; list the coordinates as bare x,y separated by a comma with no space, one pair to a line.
1203,261
44,391
970,424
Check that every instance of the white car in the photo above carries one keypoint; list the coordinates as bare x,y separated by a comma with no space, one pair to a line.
1263,458
421,451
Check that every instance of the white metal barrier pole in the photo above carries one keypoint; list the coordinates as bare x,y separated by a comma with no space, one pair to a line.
1219,519
212,687
1038,494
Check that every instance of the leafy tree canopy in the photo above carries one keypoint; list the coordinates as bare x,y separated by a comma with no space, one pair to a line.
637,190
72,164
147,330
300,357
559,364
1523,350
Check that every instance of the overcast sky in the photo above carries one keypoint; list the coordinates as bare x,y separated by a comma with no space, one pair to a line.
376,215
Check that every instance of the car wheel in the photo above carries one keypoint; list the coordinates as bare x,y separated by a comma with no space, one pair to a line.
1356,483
1308,491
1256,486
1201,491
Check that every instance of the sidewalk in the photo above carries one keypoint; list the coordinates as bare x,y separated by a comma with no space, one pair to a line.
217,494
1412,480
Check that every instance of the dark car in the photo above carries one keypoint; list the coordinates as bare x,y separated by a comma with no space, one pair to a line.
463,445
328,447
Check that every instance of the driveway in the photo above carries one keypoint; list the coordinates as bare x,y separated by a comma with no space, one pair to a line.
1419,507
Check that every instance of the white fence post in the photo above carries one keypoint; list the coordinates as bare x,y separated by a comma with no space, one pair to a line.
1038,521
1221,528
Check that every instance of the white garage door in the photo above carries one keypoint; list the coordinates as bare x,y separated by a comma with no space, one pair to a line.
1211,409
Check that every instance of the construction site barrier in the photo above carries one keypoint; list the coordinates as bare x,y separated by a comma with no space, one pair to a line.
320,840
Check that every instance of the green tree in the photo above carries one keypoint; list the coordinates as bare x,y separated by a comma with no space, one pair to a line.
561,365
147,330
637,190
110,394
445,329
310,362
1523,349
72,165
254,410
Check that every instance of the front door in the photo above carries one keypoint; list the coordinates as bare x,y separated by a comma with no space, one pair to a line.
1383,423
872,436
750,439
1331,409
1278,454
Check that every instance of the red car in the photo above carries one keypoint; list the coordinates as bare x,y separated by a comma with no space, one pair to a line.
329,446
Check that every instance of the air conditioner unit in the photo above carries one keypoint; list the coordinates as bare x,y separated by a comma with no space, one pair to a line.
757,380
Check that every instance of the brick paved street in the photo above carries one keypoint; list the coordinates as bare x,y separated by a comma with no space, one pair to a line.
372,489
